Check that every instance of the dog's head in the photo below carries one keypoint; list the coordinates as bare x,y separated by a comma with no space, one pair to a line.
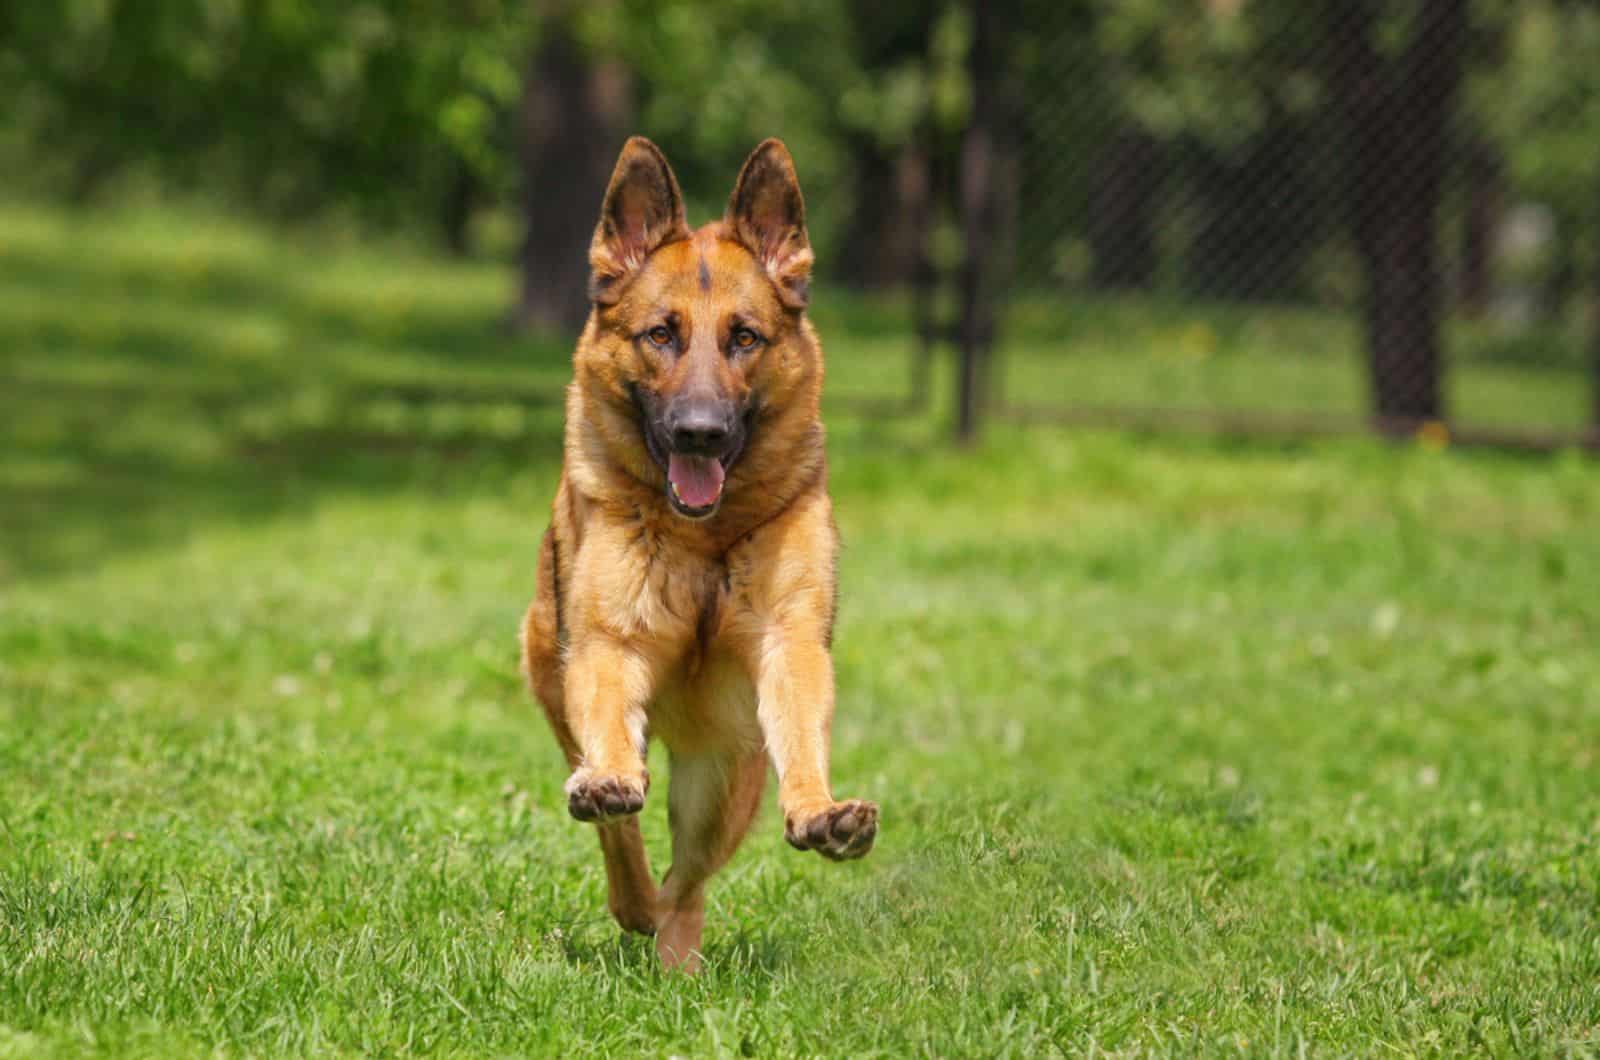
697,331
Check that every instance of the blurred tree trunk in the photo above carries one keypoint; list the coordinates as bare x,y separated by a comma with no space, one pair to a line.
1126,183
882,243
891,181
1594,335
455,211
575,110
1397,113
1485,180
1562,278
91,171
989,176
927,277
1253,234
1484,177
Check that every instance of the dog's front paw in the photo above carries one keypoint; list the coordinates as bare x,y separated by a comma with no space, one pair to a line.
599,797
840,831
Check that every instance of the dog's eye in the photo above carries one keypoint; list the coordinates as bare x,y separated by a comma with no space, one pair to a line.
744,338
659,335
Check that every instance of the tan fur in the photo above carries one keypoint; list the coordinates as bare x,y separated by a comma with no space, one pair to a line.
712,636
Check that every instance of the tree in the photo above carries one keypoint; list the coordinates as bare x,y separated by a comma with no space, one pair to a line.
1540,108
884,127
382,110
1594,332
1397,106
1121,223
576,105
707,81
988,197
1485,192
1203,116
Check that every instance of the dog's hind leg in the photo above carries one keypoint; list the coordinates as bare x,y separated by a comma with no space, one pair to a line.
631,892
712,800
630,889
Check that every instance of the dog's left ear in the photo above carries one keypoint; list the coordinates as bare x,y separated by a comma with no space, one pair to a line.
767,215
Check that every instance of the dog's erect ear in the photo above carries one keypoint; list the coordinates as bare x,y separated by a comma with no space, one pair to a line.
767,215
643,210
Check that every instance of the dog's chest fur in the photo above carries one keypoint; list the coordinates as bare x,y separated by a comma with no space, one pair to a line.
687,605
666,587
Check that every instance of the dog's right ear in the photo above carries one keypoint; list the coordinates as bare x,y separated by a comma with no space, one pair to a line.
643,210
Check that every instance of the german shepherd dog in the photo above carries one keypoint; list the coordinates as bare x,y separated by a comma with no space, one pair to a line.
687,581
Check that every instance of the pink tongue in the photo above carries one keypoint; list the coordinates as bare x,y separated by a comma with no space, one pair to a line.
696,479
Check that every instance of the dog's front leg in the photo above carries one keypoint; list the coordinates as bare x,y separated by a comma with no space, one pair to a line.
608,685
795,705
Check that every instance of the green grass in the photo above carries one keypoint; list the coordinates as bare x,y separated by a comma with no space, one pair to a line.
1182,746
1137,352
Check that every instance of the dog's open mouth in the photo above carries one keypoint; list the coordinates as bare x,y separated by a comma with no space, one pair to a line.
695,480
694,483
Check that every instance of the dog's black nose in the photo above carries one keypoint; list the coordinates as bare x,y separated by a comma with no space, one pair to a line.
700,429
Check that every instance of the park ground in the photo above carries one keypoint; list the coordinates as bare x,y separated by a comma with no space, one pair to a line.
1182,745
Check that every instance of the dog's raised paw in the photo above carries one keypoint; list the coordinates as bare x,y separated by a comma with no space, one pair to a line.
839,832
593,797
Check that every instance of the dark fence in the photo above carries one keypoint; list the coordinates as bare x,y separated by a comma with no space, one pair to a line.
1259,215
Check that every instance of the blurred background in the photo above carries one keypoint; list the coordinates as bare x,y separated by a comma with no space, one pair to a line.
1254,216
1254,213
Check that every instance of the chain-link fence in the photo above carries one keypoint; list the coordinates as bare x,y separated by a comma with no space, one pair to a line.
1292,217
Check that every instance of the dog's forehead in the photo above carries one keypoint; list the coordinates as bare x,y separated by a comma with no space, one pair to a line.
707,274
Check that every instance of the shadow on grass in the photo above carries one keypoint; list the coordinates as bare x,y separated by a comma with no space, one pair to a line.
443,322
135,411
93,506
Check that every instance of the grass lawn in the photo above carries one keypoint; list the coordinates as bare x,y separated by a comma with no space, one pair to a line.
1132,352
1182,746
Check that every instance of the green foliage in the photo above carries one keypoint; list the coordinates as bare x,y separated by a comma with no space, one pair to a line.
1183,747
716,79
293,106
398,111
380,108
1254,162
1542,105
